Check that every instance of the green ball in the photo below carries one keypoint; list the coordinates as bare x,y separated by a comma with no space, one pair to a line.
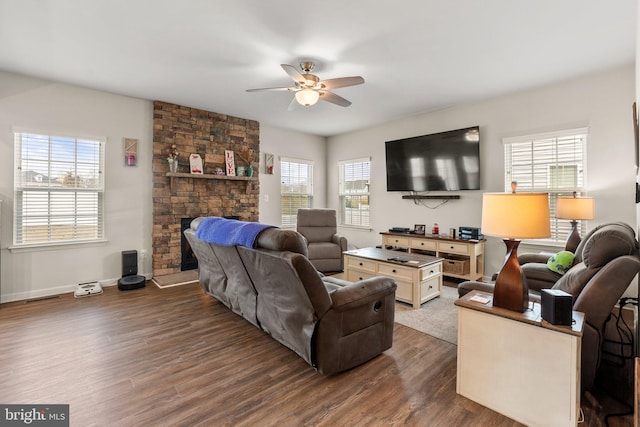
560,262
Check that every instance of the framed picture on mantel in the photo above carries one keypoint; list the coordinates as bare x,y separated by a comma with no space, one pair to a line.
195,164
230,163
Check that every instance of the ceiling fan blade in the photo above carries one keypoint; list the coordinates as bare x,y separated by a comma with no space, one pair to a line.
265,89
293,104
294,74
333,98
341,82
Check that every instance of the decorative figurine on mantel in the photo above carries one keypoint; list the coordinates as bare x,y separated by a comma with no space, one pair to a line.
246,154
173,158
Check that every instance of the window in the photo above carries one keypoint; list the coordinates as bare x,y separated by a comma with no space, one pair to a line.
296,188
59,189
551,162
354,183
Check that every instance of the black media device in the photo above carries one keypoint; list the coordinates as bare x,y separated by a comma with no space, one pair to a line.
556,306
445,161
130,279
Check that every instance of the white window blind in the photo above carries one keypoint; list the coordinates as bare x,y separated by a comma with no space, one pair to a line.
354,181
551,162
296,189
59,189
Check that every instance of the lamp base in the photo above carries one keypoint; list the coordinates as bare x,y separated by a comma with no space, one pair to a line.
511,290
574,238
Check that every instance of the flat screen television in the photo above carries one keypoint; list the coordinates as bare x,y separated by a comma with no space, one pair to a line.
445,161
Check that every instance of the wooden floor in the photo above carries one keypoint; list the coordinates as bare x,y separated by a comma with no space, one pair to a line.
177,357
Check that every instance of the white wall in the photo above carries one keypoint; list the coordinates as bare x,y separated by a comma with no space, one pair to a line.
602,102
40,105
286,143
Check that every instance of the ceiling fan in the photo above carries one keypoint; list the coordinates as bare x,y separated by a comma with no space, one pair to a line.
309,88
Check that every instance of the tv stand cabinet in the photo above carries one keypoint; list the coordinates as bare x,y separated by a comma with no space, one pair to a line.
445,247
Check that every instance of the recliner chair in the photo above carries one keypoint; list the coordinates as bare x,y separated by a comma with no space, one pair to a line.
534,266
607,260
325,246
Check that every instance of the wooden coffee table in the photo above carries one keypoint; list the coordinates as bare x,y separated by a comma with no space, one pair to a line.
419,277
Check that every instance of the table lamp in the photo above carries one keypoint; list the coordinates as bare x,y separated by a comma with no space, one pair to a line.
514,216
574,208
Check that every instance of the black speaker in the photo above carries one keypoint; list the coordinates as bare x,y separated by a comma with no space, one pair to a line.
557,306
129,263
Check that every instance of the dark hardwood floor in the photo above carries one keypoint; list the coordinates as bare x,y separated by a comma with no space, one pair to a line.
177,357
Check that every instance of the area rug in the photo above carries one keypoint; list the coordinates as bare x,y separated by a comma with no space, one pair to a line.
177,279
438,317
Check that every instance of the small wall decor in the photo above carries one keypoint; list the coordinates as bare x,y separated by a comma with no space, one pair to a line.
268,163
229,162
130,151
195,163
241,171
172,158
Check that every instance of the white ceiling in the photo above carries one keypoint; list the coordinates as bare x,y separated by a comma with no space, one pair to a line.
415,55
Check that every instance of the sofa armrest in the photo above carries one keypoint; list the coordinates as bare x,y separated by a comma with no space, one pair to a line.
470,285
362,293
358,326
540,257
340,241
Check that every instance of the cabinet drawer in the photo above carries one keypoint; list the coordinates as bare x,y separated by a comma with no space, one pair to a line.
396,241
425,245
361,264
356,276
453,248
429,288
396,272
404,292
431,271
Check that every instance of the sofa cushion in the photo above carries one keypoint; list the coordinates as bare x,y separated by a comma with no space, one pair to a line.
324,250
276,239
608,243
317,225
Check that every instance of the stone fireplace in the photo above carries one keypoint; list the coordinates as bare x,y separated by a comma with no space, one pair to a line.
181,195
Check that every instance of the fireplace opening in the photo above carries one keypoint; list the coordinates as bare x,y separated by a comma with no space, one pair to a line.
188,260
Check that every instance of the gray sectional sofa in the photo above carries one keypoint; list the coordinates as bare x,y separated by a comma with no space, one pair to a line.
331,324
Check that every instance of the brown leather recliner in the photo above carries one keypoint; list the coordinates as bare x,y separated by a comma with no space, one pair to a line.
325,246
607,261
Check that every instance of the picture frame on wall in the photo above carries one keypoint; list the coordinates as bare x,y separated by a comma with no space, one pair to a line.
268,163
229,163
130,151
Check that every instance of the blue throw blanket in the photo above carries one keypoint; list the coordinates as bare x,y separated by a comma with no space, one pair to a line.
229,232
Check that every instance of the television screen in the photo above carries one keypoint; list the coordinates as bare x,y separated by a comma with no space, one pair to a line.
445,161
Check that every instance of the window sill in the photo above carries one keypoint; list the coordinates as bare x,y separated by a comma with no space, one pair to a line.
543,244
355,227
36,247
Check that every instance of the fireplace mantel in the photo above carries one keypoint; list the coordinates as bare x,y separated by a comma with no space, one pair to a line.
173,175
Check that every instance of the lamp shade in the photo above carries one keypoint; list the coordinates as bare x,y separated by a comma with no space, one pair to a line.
516,215
575,208
307,97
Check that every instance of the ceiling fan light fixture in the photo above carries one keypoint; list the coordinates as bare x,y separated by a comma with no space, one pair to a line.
307,97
